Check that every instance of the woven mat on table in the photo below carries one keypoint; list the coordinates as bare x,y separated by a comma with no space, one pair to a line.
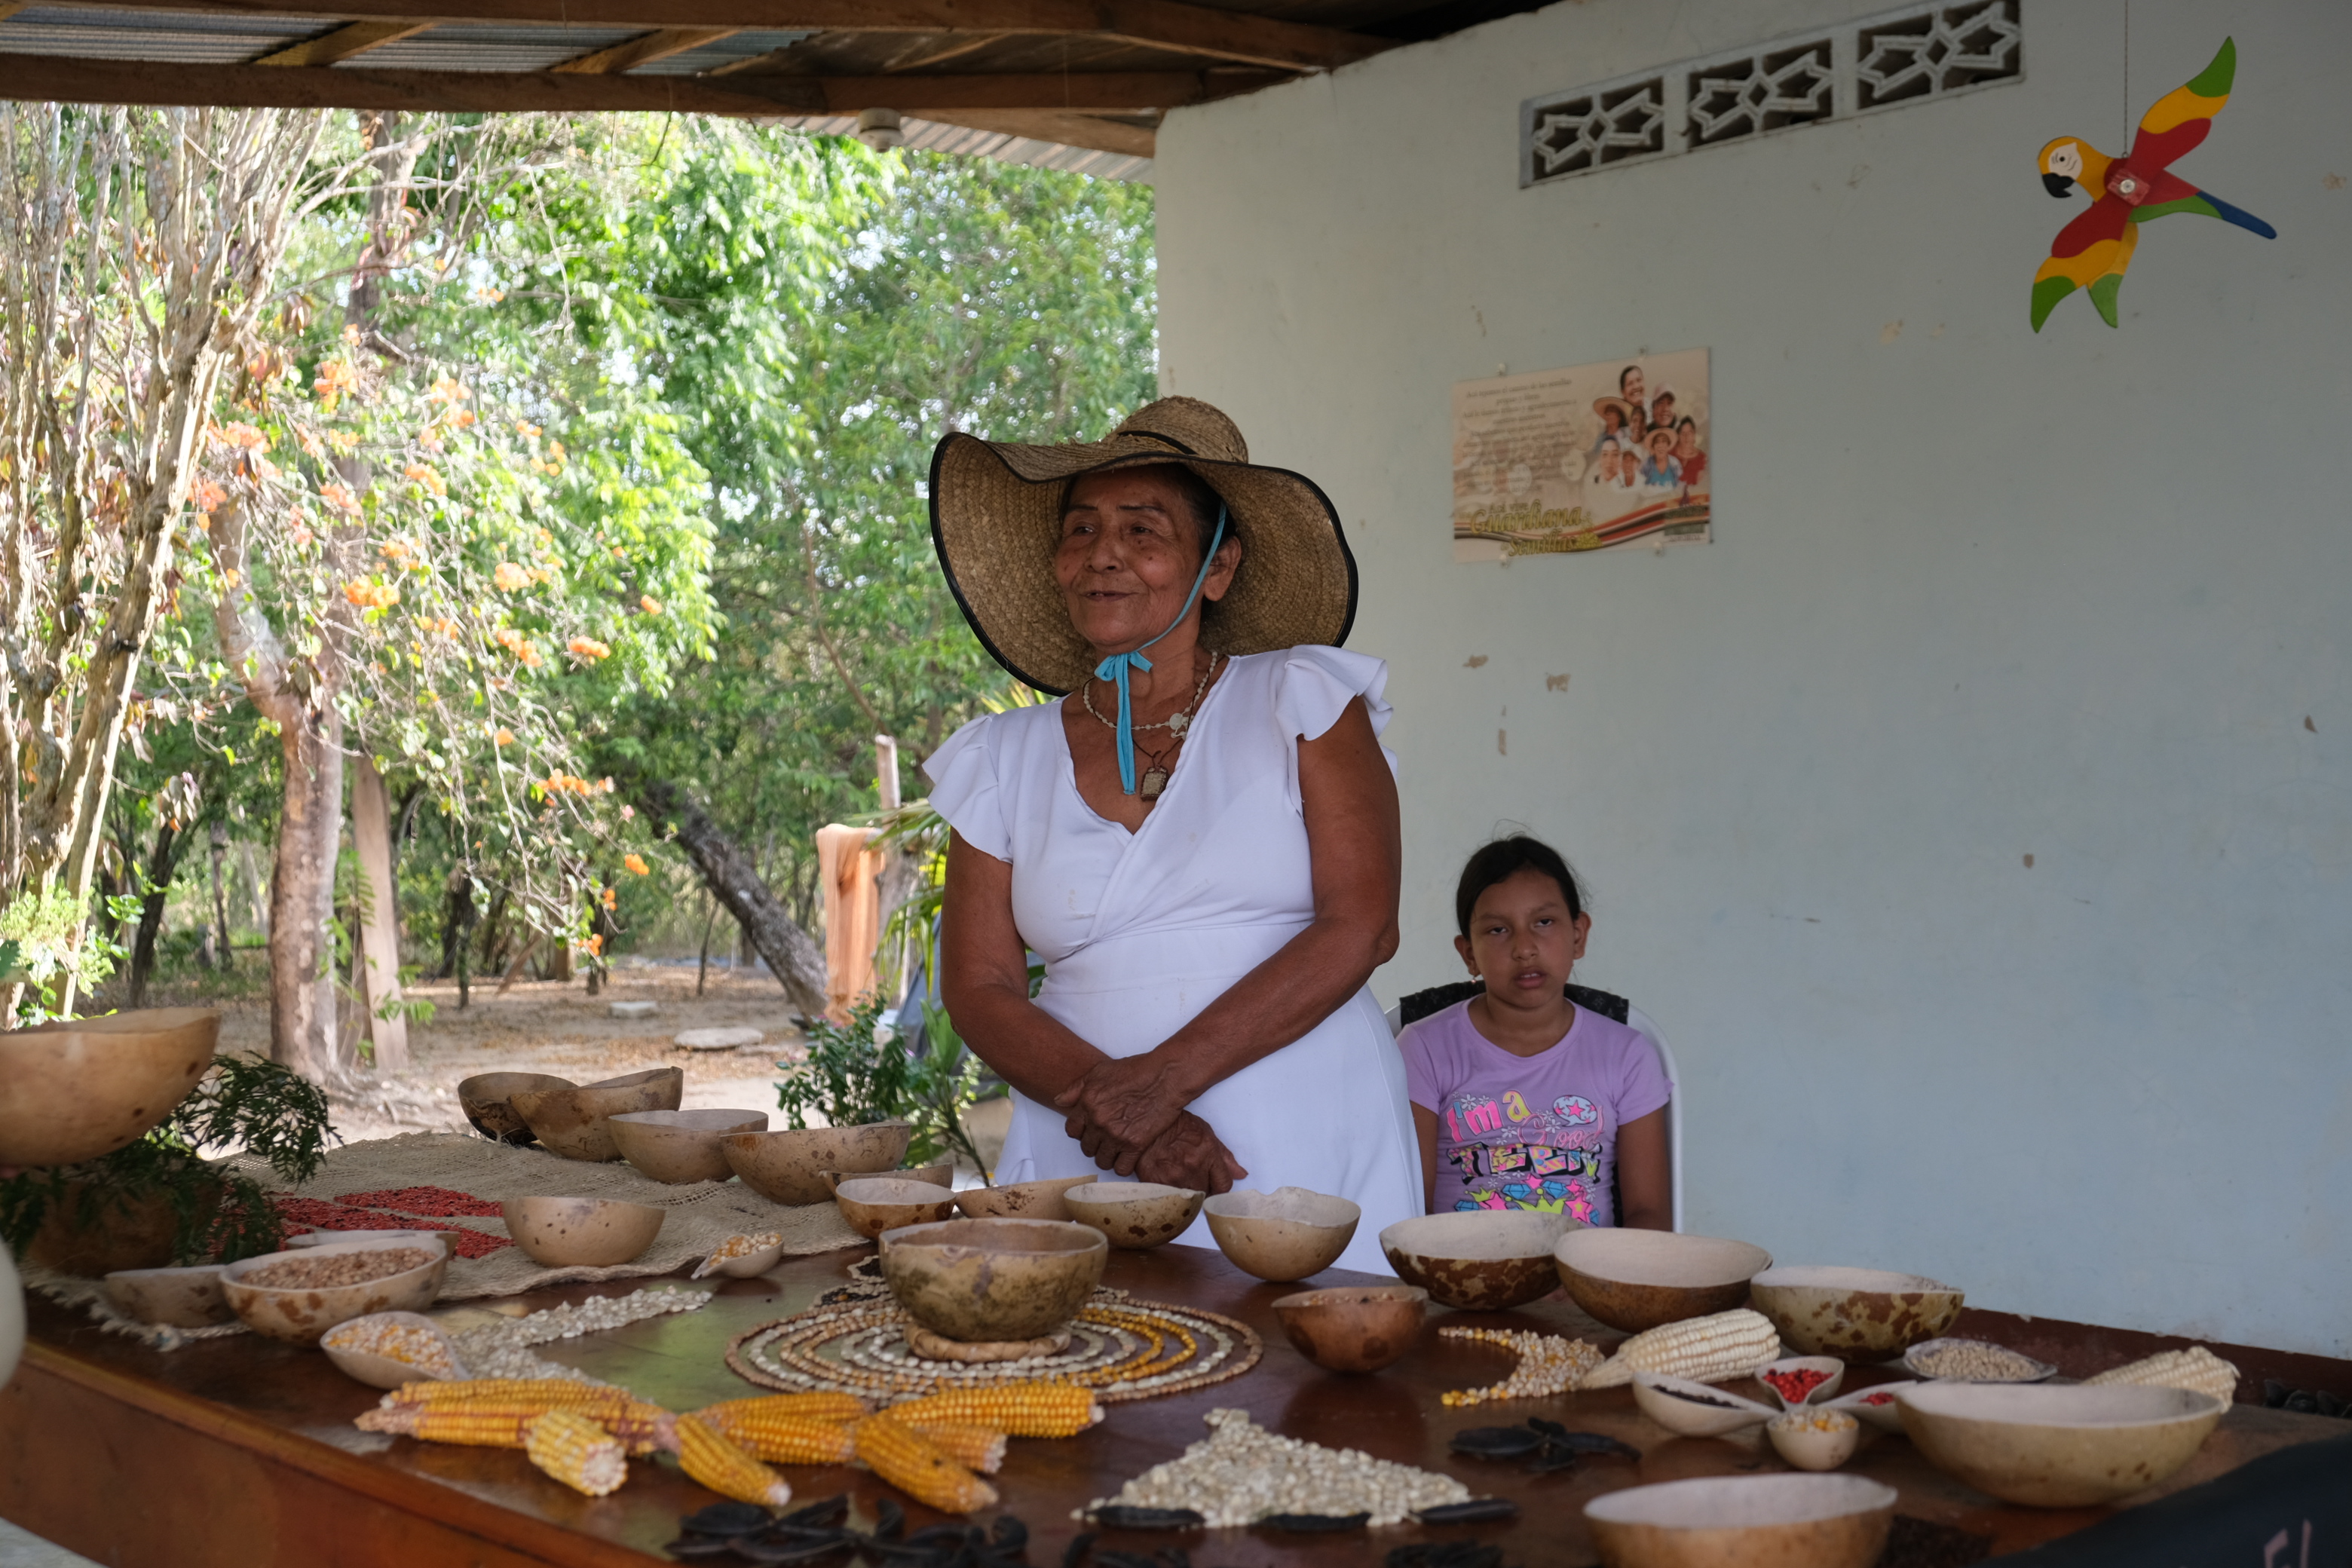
701,1215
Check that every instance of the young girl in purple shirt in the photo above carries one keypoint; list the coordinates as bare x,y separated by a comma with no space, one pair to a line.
1523,1099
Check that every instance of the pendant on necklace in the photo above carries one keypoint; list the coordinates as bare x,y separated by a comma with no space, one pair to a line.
1178,722
1154,780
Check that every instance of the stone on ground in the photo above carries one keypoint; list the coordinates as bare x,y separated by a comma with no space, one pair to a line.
634,1009
719,1039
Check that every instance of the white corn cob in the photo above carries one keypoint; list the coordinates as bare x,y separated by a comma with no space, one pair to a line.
2195,1368
1704,1350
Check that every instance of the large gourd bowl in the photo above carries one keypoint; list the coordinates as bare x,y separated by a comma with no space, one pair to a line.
1744,1522
483,1099
788,1167
1854,1314
300,1315
572,1122
1478,1259
1134,1214
2057,1444
1637,1280
680,1146
1284,1235
73,1091
993,1280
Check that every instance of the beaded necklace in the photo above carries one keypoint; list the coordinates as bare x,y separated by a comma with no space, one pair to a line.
1155,778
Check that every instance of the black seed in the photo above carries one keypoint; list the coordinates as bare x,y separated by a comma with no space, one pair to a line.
1109,1559
693,1546
890,1521
2302,1402
1495,1442
1121,1516
2331,1405
1314,1523
1009,1533
1076,1552
1477,1510
1549,1428
1596,1443
2274,1392
726,1519
815,1515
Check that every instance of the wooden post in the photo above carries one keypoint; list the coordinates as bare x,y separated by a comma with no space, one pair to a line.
379,912
896,883
217,957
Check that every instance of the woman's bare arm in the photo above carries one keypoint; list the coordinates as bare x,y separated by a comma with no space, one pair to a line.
1424,1122
1119,1107
1645,1184
984,980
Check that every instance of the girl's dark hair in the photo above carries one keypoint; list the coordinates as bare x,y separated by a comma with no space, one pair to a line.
1506,859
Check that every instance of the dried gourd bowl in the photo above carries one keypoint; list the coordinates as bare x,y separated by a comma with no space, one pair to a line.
680,1146
1744,1522
181,1298
1021,1200
300,1313
2058,1445
872,1204
1637,1280
987,1281
1134,1214
75,1090
1353,1327
1856,1314
446,1240
939,1173
574,1122
385,1350
484,1100
591,1233
788,1165
1282,1236
1690,1409
1480,1259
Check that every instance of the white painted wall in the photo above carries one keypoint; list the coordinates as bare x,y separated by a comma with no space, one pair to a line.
1976,595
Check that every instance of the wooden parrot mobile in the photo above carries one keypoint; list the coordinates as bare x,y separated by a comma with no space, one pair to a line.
2093,251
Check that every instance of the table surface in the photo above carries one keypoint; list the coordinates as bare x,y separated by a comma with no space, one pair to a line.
263,1395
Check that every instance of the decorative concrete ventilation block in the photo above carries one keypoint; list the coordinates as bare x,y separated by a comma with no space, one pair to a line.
719,1039
633,1009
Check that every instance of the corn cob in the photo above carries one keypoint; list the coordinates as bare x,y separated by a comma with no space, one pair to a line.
913,1464
642,1427
545,1391
726,1468
1016,1409
1705,1350
576,1451
2196,1368
973,1448
779,1437
824,1404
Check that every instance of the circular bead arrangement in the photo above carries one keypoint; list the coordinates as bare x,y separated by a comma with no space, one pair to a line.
1549,1363
1123,1348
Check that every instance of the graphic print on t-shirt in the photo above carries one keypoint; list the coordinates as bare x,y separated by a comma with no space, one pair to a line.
1512,1155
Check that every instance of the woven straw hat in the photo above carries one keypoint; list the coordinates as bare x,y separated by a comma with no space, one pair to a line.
996,520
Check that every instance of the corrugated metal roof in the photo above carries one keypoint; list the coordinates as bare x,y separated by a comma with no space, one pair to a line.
934,137
178,38
726,51
491,47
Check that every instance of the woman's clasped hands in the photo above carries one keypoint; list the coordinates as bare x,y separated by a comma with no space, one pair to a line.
1127,1114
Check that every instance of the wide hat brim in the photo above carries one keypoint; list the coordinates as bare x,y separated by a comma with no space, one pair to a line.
996,522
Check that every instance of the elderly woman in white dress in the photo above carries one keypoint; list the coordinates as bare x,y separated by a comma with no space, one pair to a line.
1201,840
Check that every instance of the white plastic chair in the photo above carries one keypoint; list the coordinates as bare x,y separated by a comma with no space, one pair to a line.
1641,1024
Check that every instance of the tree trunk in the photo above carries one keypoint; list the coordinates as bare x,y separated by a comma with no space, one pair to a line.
379,913
793,955
302,895
217,958
160,867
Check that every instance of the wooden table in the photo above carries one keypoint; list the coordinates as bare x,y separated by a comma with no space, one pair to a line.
240,1451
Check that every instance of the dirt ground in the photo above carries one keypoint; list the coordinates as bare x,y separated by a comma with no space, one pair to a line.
555,1026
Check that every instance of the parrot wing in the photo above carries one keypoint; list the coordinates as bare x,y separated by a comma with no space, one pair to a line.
2183,117
2175,194
2095,247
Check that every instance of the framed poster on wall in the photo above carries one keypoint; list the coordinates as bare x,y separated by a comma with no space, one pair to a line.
1594,457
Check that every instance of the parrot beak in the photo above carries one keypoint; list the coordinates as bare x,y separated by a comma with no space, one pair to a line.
2058,184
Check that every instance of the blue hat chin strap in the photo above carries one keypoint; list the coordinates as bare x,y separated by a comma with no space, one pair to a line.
1116,668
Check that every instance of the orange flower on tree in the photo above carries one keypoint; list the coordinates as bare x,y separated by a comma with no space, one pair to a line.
312,446
448,389
372,596
503,737
594,947
525,429
510,578
612,898
209,497
424,476
589,648
649,605
337,380
635,863
341,497
515,643
239,435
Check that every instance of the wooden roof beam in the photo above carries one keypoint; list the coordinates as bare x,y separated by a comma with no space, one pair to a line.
644,49
343,43
75,80
1233,36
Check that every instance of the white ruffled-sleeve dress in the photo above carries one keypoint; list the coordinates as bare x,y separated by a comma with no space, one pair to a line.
1141,930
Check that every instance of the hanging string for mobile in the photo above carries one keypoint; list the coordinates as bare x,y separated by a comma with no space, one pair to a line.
1116,668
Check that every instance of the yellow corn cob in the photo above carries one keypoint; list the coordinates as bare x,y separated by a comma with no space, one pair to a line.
1017,1409
1705,1350
725,1469
826,1405
576,1451
973,1448
909,1461
545,1391
2195,1368
642,1427
779,1437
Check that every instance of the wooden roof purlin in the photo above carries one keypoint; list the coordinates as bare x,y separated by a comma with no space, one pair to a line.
1086,73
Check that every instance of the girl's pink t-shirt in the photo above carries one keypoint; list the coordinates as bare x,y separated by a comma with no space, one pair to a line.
1530,1132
